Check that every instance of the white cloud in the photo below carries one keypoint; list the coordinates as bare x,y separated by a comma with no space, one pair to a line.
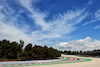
95,19
8,29
67,21
81,44
12,33
97,14
97,27
63,23
55,28
90,2
36,15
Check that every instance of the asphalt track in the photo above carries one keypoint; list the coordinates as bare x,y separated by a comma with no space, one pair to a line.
48,62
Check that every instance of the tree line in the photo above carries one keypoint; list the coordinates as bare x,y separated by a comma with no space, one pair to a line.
14,50
94,53
83,53
73,52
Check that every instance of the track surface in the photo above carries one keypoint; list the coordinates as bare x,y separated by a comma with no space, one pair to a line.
94,63
64,61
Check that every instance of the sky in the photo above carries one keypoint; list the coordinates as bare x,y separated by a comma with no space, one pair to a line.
61,24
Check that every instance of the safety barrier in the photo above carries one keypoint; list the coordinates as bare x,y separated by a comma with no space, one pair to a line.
13,63
46,62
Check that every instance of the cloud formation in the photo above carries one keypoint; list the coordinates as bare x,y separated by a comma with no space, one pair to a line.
81,44
97,27
35,29
96,17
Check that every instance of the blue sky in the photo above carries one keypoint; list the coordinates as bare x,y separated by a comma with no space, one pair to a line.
62,24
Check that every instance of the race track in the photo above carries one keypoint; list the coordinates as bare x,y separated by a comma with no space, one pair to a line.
71,61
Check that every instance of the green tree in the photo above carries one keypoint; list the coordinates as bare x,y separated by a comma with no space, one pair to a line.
21,43
13,50
4,46
29,51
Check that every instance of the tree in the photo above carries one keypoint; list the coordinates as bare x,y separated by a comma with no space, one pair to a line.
4,45
9,50
21,43
13,50
46,52
29,51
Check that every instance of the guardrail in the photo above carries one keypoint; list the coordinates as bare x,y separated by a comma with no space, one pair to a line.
12,63
45,62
